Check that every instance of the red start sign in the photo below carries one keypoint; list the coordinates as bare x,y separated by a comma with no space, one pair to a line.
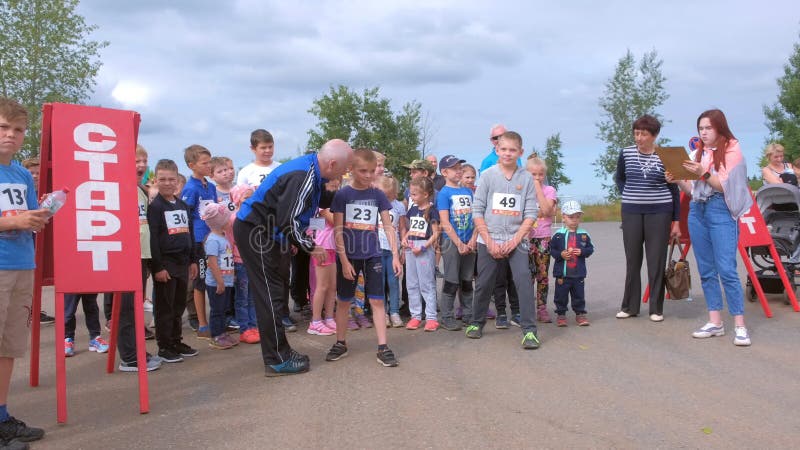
753,230
96,233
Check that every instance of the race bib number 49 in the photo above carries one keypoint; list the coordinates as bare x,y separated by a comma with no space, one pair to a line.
418,227
506,204
177,221
13,198
361,217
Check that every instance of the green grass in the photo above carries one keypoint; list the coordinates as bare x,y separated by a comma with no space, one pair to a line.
601,212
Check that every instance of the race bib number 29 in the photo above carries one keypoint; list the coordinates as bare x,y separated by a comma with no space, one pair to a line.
361,217
506,204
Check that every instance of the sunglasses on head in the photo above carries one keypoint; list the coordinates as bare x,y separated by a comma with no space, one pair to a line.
494,138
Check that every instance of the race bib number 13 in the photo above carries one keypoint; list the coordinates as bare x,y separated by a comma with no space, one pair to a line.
506,204
13,198
177,221
361,217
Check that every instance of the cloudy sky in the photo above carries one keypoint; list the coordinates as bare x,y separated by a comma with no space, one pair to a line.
209,72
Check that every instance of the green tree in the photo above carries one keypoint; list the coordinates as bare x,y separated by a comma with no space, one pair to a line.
783,118
45,56
367,120
633,90
555,168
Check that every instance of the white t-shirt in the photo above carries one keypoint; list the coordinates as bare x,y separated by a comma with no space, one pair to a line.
253,175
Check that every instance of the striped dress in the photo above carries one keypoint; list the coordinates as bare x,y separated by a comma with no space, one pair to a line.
640,180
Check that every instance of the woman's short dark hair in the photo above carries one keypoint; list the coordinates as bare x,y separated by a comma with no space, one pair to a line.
647,123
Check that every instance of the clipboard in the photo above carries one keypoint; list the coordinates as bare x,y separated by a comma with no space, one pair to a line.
673,158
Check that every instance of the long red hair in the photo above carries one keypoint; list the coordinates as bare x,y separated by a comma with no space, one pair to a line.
724,136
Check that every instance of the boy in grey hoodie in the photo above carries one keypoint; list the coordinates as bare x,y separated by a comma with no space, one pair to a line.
504,210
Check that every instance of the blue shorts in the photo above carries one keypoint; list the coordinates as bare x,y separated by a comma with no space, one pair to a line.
372,268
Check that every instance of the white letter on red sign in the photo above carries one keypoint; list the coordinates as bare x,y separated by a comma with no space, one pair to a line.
110,200
87,231
96,161
749,221
100,252
82,137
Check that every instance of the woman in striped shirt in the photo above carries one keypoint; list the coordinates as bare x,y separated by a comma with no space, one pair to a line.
650,214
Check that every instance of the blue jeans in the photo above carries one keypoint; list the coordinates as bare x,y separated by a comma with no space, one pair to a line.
217,304
715,235
392,282
243,300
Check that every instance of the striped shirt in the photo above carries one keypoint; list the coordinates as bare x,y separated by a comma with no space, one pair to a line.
640,179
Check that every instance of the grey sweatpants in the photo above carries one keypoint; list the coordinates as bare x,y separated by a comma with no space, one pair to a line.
421,281
487,274
458,272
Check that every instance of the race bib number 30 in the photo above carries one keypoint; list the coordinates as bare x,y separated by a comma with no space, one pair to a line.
361,217
177,221
418,227
506,204
13,198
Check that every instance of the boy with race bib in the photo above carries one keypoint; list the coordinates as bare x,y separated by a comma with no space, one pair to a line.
504,210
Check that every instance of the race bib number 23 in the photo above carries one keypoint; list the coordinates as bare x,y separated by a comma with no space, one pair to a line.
361,217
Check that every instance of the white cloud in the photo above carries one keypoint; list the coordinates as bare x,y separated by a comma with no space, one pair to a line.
132,94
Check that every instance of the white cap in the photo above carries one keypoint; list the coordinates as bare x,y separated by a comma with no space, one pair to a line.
571,207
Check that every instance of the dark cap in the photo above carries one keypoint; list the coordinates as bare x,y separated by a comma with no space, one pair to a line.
421,164
450,161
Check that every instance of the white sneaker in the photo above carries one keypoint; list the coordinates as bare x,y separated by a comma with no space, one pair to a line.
397,322
622,315
148,305
656,317
742,337
708,330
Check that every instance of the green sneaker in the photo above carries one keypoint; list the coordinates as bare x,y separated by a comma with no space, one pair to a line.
530,341
474,332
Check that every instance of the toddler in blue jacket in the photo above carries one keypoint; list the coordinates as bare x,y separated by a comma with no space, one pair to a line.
570,246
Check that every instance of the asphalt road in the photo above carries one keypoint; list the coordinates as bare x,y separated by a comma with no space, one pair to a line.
615,384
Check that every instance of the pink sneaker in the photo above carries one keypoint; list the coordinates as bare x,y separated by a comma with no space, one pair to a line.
543,315
352,325
431,325
331,323
319,328
363,322
490,314
413,324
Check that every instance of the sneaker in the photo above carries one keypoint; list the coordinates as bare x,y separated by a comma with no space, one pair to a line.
363,321
14,429
708,330
451,324
204,333
98,345
561,321
352,325
542,315
337,352
184,350
220,342
169,356
501,323
69,347
14,445
148,334
292,366
250,336
45,319
582,320
194,324
474,332
656,317
148,305
530,341
231,326
397,322
431,325
624,315
413,324
331,323
459,313
515,319
288,325
319,328
152,364
386,358
294,354
742,337
490,314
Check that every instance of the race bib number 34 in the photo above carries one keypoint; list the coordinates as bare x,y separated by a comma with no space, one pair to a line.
177,221
506,204
361,217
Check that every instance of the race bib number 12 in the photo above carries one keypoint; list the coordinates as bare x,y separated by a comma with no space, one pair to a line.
506,204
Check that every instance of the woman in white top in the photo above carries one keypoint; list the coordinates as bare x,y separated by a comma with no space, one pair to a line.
776,170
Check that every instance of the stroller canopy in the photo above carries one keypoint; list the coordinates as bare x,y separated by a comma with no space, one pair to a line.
779,196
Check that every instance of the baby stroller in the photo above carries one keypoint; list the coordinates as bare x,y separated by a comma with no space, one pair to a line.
780,206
